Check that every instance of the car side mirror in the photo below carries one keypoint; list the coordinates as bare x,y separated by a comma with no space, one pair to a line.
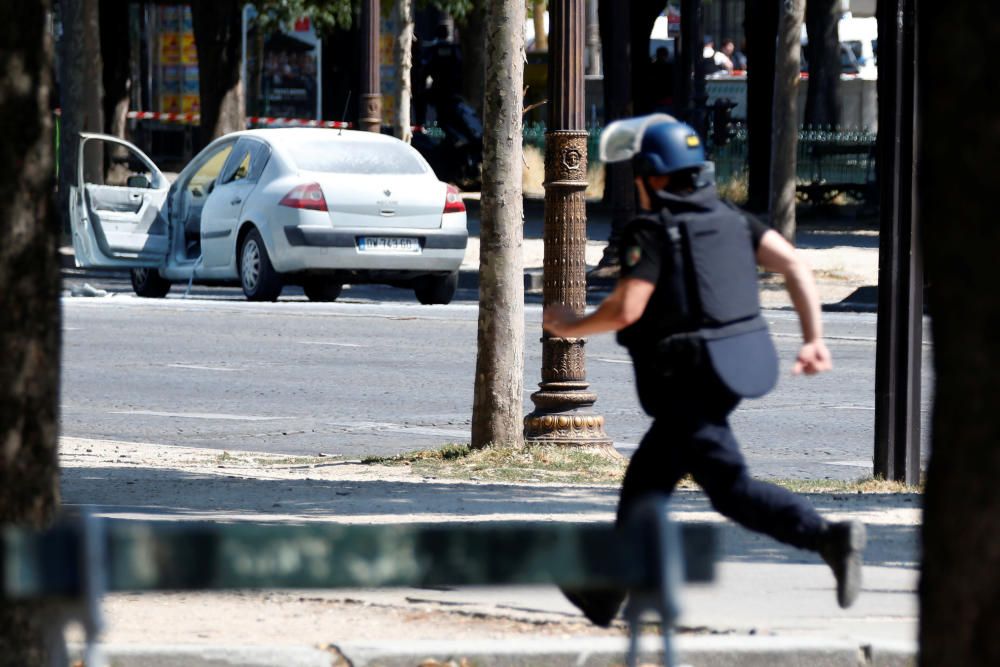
137,182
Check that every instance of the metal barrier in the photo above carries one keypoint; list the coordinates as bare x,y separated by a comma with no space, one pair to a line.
82,557
829,162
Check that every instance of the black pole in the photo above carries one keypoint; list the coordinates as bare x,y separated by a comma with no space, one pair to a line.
762,35
900,275
691,96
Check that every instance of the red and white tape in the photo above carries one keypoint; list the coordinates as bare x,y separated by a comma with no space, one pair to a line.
167,116
195,118
304,122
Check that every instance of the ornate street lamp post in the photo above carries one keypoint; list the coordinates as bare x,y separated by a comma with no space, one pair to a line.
563,406
370,116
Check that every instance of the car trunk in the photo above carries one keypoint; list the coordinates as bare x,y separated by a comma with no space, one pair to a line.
382,201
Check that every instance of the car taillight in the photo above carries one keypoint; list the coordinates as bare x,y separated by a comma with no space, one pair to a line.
453,201
308,196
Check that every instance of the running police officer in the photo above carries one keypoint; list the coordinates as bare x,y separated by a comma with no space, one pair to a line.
687,308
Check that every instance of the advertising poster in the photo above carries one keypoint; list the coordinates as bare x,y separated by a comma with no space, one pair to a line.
282,69
175,66
387,69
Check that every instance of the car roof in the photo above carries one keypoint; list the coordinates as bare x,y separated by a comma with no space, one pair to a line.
277,134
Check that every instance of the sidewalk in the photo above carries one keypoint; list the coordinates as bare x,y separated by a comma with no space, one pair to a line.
770,605
843,255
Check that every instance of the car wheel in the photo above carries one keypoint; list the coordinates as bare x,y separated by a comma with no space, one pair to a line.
322,289
436,289
148,283
259,279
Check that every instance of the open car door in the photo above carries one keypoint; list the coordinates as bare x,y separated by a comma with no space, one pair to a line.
115,206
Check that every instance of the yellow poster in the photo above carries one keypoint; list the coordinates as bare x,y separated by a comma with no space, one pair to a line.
191,104
189,52
386,44
170,103
170,48
388,109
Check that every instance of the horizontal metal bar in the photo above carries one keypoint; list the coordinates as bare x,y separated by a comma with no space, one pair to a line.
149,556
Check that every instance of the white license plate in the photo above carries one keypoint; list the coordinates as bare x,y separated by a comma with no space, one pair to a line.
388,244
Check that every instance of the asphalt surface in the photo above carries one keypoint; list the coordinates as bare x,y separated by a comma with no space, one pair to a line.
372,375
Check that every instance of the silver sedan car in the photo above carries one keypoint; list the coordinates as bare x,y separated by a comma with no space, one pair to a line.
264,208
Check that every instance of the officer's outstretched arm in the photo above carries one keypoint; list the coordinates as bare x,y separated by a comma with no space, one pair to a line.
778,255
622,307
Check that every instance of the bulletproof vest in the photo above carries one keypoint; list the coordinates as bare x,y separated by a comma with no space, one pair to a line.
708,277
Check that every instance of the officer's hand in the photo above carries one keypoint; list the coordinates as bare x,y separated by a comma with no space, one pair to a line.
556,317
813,358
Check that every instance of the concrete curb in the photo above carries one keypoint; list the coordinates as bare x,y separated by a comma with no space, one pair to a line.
695,651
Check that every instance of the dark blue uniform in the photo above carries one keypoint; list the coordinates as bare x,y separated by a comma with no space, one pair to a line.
688,386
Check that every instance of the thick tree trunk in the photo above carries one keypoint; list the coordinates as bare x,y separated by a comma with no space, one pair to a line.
823,56
404,67
960,577
255,74
115,56
217,34
29,302
497,410
785,136
762,34
473,38
80,90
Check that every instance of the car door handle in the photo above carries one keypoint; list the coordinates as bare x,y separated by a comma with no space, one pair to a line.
236,201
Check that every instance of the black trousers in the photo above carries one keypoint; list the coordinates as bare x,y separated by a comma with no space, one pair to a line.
691,435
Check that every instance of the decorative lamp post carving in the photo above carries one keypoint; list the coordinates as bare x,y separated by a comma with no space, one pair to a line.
563,411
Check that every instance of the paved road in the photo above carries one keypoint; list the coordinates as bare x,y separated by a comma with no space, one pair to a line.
375,373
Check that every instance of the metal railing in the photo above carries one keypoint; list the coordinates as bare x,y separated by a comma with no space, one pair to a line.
828,161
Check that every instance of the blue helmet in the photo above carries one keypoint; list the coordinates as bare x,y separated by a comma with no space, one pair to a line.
668,147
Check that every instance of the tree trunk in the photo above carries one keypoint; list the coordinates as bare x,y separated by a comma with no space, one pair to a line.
30,323
762,34
115,56
541,32
497,410
80,90
960,575
823,56
255,86
473,41
404,67
218,35
786,118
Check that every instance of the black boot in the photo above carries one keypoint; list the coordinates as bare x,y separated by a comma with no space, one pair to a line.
841,548
599,606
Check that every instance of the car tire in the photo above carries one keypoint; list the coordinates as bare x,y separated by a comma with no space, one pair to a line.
149,283
258,278
436,289
322,289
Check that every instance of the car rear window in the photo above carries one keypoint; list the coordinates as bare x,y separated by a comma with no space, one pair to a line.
357,157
